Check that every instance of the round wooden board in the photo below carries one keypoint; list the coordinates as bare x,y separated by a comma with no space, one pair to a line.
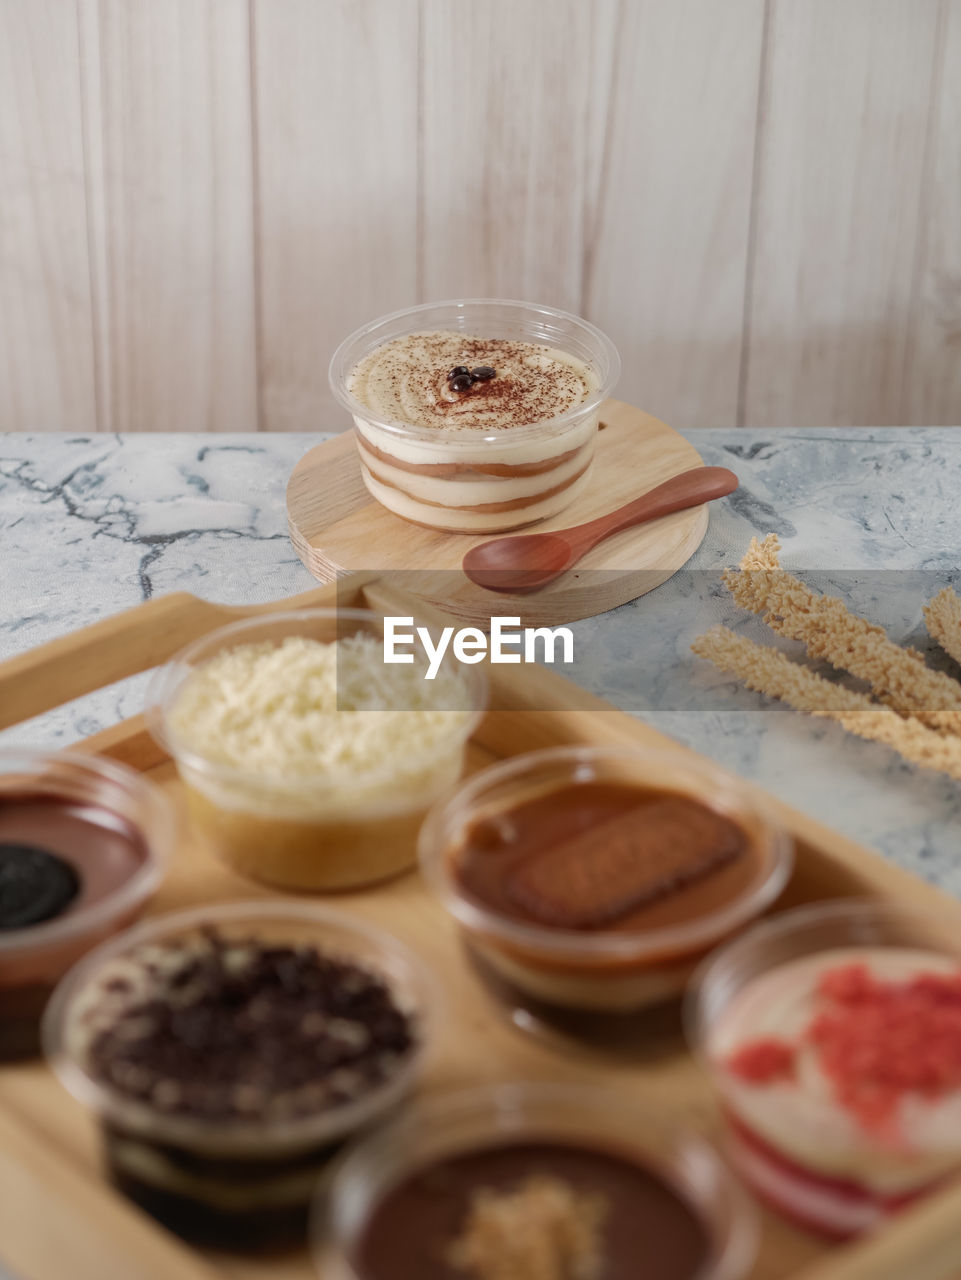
337,529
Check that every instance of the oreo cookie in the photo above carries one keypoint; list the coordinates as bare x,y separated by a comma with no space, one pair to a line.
35,885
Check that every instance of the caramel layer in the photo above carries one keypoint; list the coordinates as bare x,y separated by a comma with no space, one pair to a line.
456,470
515,504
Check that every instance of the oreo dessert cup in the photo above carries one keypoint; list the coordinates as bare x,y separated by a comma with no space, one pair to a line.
227,1051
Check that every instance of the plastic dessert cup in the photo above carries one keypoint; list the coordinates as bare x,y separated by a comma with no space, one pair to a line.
326,830
234,1183
819,1144
479,481
706,1226
593,983
115,829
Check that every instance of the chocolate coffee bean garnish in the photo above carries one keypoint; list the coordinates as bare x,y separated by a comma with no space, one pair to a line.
463,382
483,373
458,371
35,885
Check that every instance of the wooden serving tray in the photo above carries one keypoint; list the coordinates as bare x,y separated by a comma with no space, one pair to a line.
60,1221
337,527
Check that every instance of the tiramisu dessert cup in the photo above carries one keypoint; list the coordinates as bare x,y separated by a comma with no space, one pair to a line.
308,762
229,1050
588,881
475,416
534,1180
83,844
833,1037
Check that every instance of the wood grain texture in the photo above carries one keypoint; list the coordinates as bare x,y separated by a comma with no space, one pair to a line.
200,198
169,175
46,1200
838,210
514,110
932,378
668,258
336,146
126,643
337,528
49,1160
46,311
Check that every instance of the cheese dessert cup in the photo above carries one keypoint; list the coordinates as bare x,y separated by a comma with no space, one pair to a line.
83,846
308,763
532,1179
229,1050
832,1034
588,881
475,416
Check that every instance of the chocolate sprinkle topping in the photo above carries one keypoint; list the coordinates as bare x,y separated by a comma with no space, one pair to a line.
532,382
35,885
240,1030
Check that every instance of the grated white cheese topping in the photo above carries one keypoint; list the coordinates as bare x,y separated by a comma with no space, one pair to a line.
305,708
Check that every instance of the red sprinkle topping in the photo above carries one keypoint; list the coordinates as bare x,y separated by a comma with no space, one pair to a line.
876,1041
763,1061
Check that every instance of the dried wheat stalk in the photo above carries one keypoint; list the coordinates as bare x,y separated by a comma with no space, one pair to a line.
768,671
830,631
943,618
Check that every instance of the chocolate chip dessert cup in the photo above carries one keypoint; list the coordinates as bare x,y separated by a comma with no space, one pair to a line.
587,882
308,763
227,1051
83,845
498,1181
475,416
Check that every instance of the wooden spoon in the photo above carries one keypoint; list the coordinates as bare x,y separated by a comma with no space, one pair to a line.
527,562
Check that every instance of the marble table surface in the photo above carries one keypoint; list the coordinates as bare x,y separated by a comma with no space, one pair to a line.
92,525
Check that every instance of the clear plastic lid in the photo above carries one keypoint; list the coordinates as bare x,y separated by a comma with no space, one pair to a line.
326,626
483,318
568,1114
833,926
331,932
94,783
503,786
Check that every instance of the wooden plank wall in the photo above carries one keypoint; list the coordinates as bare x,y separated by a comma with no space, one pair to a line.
759,200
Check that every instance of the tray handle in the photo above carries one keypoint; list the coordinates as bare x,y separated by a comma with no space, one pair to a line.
133,641
97,655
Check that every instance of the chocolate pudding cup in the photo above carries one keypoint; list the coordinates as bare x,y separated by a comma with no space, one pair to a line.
482,478
795,1136
114,830
592,982
324,828
398,1197
231,1180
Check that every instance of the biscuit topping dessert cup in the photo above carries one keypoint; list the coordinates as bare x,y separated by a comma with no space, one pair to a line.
832,1034
83,845
475,416
308,763
534,1180
588,881
228,1050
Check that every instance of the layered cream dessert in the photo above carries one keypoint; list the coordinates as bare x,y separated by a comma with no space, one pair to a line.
309,764
473,434
840,1074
